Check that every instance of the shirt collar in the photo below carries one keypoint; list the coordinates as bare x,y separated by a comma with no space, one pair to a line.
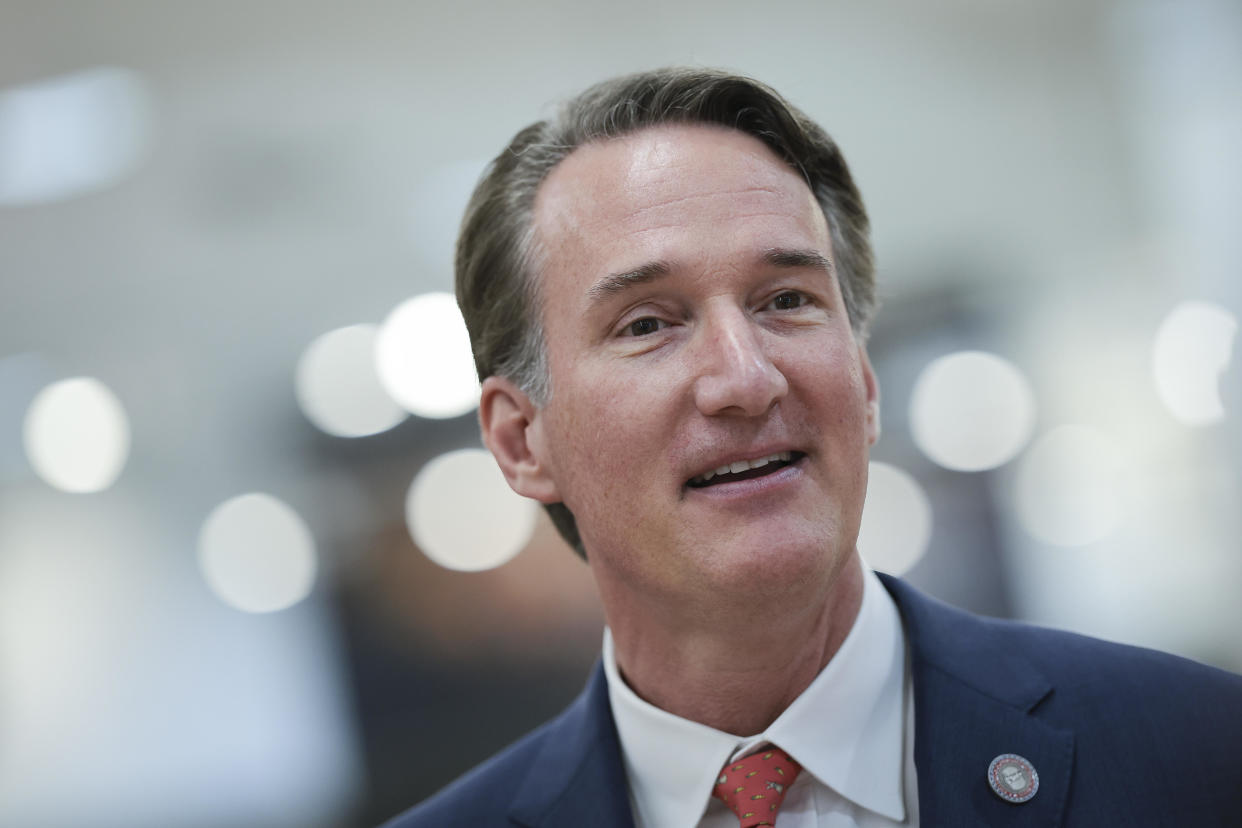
845,729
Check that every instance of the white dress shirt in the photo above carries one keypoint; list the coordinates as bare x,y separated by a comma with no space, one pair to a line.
852,730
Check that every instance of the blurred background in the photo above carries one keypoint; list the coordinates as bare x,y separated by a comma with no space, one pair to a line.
253,568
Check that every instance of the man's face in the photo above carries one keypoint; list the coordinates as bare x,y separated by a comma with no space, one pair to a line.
693,322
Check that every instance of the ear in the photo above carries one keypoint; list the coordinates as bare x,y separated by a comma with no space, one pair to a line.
873,396
511,426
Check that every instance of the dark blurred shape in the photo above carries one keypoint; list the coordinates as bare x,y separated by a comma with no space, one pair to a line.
448,667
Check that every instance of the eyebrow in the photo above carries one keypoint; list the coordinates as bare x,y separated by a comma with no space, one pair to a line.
781,257
619,282
786,258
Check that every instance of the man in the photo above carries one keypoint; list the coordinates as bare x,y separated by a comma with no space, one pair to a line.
668,289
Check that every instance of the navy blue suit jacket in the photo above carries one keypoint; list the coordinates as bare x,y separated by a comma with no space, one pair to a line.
1120,736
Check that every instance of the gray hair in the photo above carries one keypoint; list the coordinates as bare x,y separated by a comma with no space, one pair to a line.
497,251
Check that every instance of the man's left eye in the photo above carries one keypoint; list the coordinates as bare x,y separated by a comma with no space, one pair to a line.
789,300
646,325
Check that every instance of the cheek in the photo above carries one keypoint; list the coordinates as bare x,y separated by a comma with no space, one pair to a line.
598,452
834,388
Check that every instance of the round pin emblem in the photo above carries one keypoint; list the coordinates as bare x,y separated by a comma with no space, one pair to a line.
1013,778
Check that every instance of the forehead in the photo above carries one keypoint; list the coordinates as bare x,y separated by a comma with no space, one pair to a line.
649,192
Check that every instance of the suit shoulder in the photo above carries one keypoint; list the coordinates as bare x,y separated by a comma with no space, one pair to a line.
480,797
954,638
1076,660
1123,692
1121,698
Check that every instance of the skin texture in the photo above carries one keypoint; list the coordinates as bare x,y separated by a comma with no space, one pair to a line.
693,318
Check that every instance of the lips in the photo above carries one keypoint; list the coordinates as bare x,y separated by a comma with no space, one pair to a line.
745,469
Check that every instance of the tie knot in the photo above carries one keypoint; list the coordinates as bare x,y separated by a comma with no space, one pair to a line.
755,785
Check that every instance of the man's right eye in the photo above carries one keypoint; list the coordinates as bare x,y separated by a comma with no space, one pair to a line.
644,326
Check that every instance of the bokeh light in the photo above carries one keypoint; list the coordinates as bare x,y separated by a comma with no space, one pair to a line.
423,358
71,134
971,411
257,554
1192,349
896,521
338,388
76,435
1067,487
123,683
463,515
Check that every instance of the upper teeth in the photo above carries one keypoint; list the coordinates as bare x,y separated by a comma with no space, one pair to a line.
743,465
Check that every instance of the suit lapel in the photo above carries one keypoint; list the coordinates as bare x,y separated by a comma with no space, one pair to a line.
974,699
577,778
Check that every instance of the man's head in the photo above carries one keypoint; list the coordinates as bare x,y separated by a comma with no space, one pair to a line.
501,254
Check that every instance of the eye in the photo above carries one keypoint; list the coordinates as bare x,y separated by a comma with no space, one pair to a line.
789,300
643,327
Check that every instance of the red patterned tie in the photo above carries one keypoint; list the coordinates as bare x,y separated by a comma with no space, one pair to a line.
755,785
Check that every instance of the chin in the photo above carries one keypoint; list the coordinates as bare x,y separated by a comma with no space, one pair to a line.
787,562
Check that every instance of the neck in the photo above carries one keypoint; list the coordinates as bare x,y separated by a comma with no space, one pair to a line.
738,669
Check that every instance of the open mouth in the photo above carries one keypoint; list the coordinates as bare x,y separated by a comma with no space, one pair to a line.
746,469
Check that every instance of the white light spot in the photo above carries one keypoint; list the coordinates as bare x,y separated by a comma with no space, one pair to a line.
338,388
1067,487
1193,348
76,435
71,134
423,357
464,516
971,411
257,554
896,521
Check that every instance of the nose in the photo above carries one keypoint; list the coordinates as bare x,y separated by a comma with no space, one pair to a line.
736,375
